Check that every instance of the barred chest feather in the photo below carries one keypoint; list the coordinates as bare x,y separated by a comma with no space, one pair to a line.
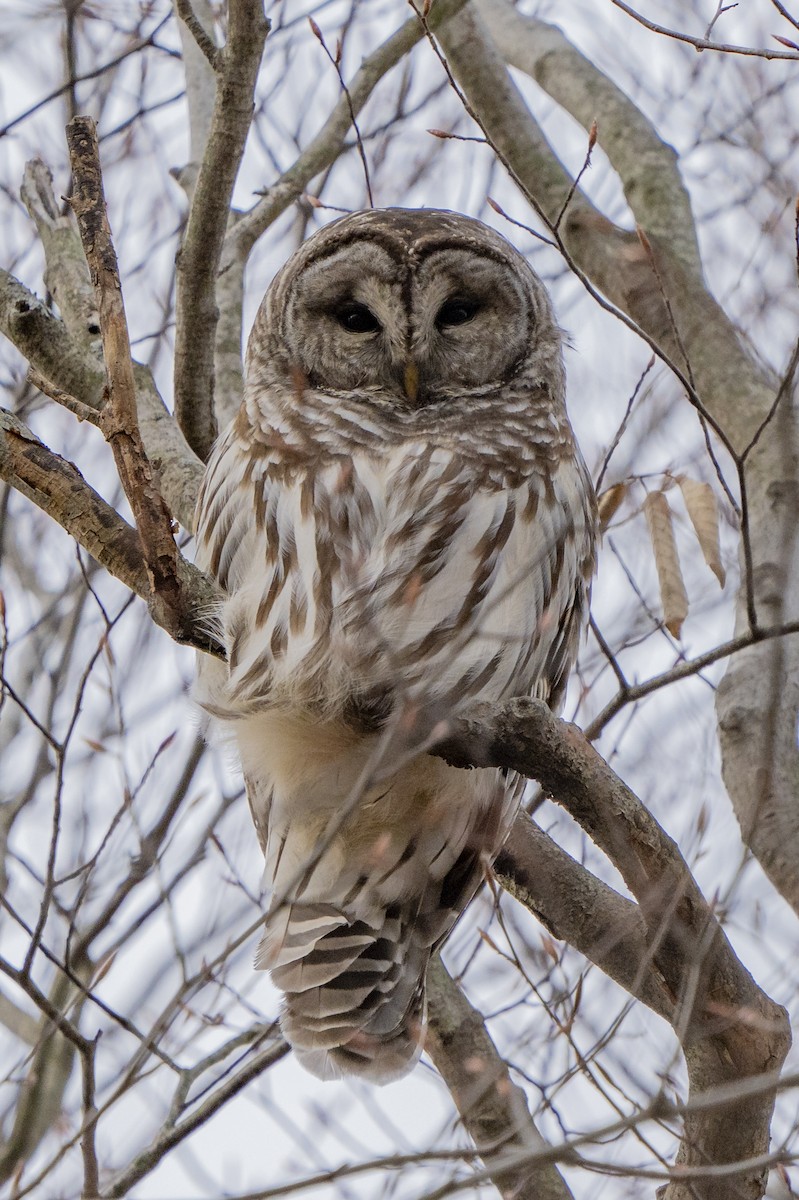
356,574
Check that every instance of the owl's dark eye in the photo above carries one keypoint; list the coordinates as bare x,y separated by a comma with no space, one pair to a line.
456,312
356,318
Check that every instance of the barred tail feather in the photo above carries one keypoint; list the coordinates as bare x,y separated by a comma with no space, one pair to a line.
354,991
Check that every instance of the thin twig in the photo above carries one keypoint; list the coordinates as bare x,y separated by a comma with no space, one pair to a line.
576,181
784,12
336,61
84,412
700,43
93,74
623,425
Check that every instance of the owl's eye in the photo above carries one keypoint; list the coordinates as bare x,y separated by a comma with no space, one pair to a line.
357,318
456,312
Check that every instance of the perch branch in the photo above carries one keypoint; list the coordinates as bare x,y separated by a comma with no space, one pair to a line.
653,287
729,1029
580,909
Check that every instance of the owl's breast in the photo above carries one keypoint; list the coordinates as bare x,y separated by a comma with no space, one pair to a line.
407,573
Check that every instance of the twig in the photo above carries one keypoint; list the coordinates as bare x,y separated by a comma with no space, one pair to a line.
150,1158
520,224
784,12
119,419
592,132
700,43
721,8
93,74
336,61
624,421
84,412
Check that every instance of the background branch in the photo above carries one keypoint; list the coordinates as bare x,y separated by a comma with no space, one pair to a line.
198,261
58,488
493,1110
119,420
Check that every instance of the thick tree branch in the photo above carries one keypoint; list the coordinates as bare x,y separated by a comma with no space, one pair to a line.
493,1109
66,272
729,1029
580,909
44,341
199,257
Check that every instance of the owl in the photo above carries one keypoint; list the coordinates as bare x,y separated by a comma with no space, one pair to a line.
402,524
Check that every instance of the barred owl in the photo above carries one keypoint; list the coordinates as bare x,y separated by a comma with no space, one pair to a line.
402,524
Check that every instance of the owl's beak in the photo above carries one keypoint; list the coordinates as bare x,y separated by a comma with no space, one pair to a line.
410,381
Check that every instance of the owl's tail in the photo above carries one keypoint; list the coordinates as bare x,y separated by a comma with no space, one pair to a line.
355,998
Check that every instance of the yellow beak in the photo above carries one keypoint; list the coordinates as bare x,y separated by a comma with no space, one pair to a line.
410,381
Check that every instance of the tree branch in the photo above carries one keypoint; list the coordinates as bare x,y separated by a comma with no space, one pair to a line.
646,165
119,419
66,272
493,1109
728,1028
43,340
198,261
580,909
59,489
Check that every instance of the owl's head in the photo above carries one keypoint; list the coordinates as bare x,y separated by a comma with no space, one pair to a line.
408,307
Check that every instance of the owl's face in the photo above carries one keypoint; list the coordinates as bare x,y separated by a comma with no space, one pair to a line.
407,307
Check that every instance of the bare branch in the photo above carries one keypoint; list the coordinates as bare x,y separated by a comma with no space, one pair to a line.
57,487
74,371
199,258
119,420
728,1027
494,1111
578,908
647,166
67,273
702,43
203,41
